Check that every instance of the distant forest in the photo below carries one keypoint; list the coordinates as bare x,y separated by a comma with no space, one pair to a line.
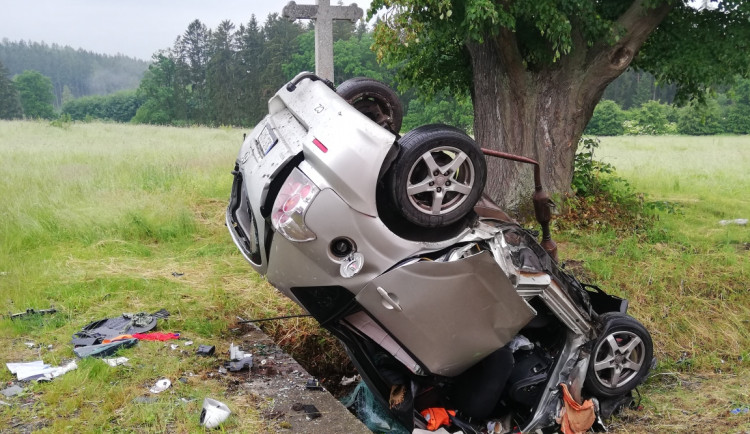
225,76
82,72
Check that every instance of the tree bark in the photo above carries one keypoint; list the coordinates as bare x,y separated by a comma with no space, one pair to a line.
541,113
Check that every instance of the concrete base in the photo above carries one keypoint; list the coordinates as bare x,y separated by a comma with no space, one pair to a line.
281,382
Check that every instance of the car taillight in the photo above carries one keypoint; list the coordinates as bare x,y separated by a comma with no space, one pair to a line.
288,216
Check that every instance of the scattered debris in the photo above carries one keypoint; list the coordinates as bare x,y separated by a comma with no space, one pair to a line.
103,350
174,346
205,350
116,361
188,343
367,409
239,360
30,312
313,384
177,274
739,222
38,370
345,381
311,412
213,413
740,410
96,331
160,386
222,370
11,391
30,344
4,403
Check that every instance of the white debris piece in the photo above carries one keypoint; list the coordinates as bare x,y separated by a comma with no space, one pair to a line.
38,370
739,222
116,361
160,386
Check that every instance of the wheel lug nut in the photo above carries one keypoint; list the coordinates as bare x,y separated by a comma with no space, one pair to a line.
439,189
431,183
436,173
447,183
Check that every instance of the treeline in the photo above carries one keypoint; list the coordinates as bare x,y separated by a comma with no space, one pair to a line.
225,76
723,113
73,73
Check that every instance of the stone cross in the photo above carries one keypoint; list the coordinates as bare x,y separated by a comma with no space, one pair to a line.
323,14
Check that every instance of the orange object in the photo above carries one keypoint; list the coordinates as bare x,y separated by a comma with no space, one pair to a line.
437,417
576,418
117,338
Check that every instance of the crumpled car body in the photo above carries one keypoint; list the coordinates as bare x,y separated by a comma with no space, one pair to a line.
421,307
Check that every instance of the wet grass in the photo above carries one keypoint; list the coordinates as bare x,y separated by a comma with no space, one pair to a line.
96,218
687,276
94,221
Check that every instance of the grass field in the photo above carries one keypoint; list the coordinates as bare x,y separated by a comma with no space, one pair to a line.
95,218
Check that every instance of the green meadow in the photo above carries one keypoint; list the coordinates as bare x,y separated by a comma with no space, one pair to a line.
96,217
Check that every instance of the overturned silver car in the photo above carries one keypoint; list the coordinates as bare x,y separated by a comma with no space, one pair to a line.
441,300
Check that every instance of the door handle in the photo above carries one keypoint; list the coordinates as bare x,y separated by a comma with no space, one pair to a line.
390,301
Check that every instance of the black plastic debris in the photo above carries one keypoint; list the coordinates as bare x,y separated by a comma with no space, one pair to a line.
31,312
311,412
128,323
104,350
313,384
205,350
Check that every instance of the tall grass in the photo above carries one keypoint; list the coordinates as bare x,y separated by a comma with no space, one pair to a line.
94,219
688,276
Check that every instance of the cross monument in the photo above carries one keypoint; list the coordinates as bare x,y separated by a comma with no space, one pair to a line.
323,14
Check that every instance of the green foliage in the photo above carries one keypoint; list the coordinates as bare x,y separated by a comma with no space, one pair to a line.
652,118
36,95
118,107
10,102
738,112
63,121
607,120
444,109
696,48
589,178
699,120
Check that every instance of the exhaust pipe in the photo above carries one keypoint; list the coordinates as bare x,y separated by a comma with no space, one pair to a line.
542,201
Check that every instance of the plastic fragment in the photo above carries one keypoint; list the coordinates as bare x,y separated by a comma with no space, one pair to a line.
160,386
205,350
313,384
311,411
103,350
117,361
239,360
214,413
38,370
740,410
11,391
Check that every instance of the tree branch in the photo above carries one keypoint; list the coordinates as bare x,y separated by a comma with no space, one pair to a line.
609,61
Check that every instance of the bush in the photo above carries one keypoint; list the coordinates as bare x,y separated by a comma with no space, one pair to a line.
700,120
652,118
607,120
118,107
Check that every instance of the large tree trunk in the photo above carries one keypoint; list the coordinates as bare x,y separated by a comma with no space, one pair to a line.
541,113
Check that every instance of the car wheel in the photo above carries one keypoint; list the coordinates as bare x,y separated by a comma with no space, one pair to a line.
375,100
437,177
621,358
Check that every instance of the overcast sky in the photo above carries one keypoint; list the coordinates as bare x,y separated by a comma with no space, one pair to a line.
136,28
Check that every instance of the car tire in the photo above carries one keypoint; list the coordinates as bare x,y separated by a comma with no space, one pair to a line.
437,177
621,357
375,100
